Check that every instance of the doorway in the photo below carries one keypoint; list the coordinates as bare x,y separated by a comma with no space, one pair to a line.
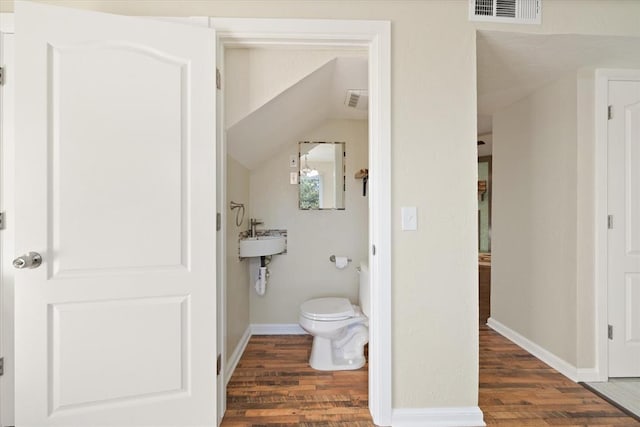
617,261
543,247
301,34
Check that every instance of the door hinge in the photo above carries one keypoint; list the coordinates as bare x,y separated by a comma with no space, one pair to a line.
218,79
1,366
2,221
219,364
1,76
610,331
610,112
610,222
218,221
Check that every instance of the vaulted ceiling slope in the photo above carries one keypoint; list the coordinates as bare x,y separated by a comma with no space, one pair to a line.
318,97
513,65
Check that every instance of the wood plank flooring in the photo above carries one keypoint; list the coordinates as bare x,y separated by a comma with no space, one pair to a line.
516,389
484,293
274,386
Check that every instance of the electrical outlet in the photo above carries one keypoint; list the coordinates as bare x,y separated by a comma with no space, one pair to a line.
293,161
293,177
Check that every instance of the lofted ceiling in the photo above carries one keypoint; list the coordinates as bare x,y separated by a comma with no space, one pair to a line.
318,97
513,65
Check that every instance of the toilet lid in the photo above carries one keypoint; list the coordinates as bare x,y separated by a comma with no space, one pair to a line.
327,309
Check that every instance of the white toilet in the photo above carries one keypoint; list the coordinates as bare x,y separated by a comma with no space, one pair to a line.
340,330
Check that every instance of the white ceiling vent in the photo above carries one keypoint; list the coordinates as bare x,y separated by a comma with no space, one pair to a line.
506,11
358,99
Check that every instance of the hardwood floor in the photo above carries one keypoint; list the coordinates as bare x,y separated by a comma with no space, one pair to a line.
274,386
484,293
516,389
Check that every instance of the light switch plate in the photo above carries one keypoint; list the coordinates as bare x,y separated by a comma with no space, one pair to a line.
293,161
293,177
409,219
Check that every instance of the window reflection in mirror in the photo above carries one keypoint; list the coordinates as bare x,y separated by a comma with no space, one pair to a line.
322,175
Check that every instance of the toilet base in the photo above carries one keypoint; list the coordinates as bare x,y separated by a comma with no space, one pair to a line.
338,355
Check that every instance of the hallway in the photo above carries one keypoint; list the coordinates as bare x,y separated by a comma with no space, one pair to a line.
516,389
273,385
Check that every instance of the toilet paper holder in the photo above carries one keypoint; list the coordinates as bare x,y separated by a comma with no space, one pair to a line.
332,258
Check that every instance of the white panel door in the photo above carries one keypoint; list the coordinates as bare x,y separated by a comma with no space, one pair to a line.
116,189
624,236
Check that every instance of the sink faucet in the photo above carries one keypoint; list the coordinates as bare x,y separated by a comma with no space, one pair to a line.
252,228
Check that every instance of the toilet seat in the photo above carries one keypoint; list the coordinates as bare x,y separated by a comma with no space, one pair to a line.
327,309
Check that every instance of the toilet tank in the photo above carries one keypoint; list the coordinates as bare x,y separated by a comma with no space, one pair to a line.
365,290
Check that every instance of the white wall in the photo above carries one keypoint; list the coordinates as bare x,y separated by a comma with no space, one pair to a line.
237,272
585,245
533,277
433,131
258,75
305,272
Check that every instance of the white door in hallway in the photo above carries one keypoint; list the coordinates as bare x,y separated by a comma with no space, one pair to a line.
116,189
624,233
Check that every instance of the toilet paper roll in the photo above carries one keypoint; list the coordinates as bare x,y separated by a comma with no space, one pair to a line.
341,262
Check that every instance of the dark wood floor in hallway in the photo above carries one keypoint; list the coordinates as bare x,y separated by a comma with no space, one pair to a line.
516,389
273,385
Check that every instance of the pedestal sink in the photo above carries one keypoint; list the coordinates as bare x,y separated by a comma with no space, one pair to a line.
261,246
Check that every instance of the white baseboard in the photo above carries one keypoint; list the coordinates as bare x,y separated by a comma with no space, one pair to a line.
560,365
277,329
236,355
438,417
589,375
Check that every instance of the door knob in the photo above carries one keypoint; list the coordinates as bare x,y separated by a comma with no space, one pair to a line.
29,260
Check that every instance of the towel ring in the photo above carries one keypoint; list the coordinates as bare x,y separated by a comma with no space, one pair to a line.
240,216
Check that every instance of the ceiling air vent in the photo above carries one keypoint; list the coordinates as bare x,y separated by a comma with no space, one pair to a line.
506,11
358,99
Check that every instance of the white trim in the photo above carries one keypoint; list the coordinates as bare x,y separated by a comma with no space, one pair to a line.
380,342
236,355
197,21
277,329
600,231
221,259
376,35
588,375
7,191
603,77
560,365
470,416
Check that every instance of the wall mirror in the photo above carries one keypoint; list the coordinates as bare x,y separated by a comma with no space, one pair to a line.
322,175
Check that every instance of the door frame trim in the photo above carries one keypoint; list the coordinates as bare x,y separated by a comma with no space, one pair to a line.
7,348
376,36
602,79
